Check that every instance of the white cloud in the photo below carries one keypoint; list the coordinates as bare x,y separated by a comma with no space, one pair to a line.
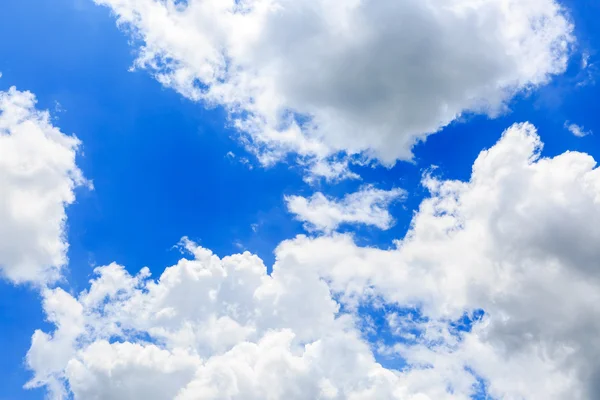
576,130
368,206
330,170
37,177
318,77
518,240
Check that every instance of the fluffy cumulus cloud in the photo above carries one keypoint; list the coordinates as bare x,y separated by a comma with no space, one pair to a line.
37,177
361,77
368,206
495,286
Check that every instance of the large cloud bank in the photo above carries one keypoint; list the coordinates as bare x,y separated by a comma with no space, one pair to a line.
496,281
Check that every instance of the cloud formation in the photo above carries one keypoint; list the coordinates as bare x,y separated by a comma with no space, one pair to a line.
37,177
365,78
521,267
368,206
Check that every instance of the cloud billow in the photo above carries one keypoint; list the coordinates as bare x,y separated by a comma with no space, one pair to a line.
320,78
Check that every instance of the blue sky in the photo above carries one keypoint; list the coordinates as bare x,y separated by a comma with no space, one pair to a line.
160,167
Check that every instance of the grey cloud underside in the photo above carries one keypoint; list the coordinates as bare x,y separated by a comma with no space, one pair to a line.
368,78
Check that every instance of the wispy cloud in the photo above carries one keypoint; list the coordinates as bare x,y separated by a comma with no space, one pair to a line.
577,130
